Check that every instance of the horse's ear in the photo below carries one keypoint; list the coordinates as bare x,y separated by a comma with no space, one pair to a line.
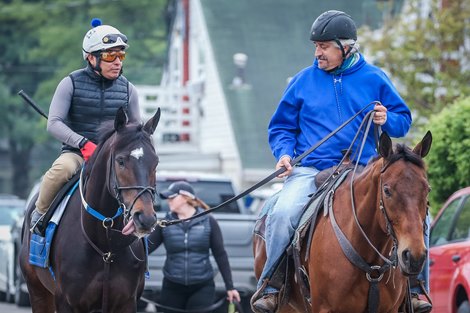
121,119
152,123
423,147
385,145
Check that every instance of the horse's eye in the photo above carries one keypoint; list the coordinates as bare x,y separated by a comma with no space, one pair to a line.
387,191
120,162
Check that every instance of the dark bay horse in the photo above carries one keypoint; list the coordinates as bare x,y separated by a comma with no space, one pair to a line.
381,214
96,267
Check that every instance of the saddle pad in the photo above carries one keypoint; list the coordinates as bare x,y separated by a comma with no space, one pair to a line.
319,199
39,246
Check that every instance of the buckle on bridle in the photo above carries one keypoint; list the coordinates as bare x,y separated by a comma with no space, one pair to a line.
107,257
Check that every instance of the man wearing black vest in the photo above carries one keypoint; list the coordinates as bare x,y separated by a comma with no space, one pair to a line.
82,102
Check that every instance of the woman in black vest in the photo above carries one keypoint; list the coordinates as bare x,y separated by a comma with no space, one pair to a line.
188,281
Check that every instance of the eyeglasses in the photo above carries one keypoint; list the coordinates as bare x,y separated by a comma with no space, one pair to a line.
110,56
113,38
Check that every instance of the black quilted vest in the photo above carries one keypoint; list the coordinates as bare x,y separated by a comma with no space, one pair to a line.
187,246
95,100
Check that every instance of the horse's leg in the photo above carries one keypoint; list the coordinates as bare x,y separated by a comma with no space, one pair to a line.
64,307
42,301
128,307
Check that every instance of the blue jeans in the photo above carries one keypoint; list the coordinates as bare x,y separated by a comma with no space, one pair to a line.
424,275
283,218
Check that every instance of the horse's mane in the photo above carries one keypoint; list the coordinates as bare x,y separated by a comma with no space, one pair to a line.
400,152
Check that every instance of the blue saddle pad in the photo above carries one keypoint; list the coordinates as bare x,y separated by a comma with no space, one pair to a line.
39,246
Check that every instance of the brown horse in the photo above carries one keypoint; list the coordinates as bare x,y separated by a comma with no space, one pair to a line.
371,240
96,267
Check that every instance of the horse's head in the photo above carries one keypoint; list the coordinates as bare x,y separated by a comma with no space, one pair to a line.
130,175
404,199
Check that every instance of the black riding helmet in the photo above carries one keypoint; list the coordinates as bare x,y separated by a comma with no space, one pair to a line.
333,25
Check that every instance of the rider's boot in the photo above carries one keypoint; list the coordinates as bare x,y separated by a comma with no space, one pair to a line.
36,222
419,305
267,303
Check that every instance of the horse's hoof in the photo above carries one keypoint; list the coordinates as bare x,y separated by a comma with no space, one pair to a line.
266,304
420,306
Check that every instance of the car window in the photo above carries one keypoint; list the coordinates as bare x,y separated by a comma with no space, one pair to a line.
442,229
461,230
9,214
212,193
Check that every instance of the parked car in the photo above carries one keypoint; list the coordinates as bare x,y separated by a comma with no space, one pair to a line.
21,295
450,255
11,208
236,223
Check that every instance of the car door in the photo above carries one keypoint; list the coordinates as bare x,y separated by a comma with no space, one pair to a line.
449,244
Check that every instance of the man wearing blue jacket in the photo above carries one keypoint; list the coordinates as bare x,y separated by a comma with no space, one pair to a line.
318,100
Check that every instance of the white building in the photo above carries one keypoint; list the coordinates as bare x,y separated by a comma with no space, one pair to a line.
228,65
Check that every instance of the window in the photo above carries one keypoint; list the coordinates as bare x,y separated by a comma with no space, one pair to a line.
461,230
212,193
441,231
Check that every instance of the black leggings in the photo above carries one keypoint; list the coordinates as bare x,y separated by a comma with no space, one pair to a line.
189,297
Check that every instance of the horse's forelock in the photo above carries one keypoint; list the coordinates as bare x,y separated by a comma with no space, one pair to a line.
401,151
131,133
405,153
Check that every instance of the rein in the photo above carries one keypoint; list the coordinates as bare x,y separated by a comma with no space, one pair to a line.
164,223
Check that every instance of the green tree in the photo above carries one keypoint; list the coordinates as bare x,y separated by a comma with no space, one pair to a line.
41,43
423,49
448,163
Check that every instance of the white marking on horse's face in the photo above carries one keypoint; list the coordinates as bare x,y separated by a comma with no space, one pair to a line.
137,153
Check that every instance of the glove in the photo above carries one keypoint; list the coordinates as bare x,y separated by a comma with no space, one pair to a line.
88,149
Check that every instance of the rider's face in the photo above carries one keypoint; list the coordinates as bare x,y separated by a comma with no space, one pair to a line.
328,54
110,70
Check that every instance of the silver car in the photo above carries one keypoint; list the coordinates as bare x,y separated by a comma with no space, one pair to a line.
11,209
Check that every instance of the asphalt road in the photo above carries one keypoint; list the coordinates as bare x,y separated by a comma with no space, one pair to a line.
13,308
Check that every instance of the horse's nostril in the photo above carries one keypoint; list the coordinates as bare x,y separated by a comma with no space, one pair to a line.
144,220
406,255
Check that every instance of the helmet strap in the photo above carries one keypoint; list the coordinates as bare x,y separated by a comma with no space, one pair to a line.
344,53
97,67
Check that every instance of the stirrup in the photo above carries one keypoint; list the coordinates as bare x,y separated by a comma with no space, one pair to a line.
420,306
36,222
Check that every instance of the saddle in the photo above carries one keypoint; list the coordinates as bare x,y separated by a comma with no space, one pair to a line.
41,227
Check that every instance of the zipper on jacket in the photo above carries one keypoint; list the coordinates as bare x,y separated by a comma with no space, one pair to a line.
102,101
338,101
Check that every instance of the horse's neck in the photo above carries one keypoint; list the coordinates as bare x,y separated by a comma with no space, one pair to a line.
366,203
98,193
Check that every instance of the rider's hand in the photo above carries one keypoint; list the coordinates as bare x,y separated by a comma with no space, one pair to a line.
284,161
233,295
380,115
87,150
